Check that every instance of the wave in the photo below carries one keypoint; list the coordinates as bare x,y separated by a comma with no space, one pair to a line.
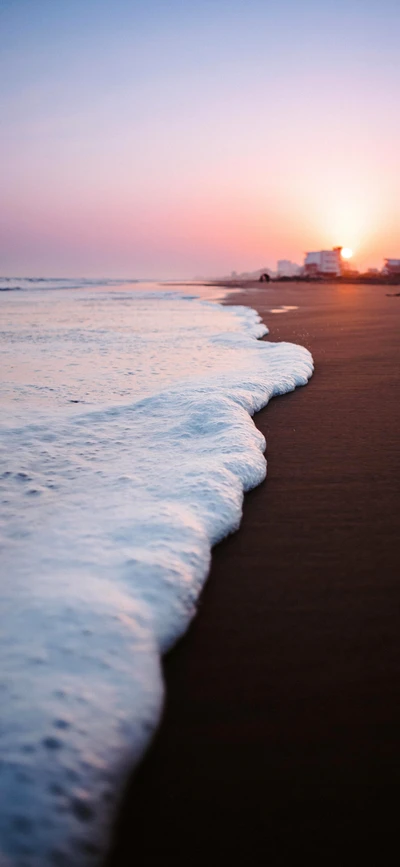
8,284
111,515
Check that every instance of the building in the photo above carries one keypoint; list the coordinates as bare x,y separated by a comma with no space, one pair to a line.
323,263
391,267
285,268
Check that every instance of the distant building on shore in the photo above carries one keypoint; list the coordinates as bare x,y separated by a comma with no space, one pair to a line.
285,268
323,263
391,267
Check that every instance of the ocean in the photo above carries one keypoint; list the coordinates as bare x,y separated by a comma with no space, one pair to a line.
127,445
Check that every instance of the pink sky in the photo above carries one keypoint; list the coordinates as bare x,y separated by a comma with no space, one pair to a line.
217,140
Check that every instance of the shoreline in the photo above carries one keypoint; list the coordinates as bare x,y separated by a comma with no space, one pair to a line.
280,733
302,282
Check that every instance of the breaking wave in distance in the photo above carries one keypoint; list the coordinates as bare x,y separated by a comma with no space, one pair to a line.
126,452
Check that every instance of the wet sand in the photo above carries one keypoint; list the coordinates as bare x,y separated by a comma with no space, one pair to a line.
281,734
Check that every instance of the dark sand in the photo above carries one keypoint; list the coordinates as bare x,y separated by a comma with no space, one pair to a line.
281,735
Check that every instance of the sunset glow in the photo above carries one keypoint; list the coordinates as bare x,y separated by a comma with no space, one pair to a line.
346,253
170,140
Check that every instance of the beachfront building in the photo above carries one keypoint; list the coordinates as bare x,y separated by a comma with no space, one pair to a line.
323,263
391,267
285,268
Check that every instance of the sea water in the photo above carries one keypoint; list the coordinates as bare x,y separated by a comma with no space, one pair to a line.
127,444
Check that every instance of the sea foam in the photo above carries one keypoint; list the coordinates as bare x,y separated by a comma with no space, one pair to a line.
128,447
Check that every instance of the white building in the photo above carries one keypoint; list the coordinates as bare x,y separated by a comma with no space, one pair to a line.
285,268
392,266
323,262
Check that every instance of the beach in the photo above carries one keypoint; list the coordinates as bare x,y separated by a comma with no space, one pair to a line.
280,736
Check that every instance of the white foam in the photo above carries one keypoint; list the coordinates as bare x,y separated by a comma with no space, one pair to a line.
110,510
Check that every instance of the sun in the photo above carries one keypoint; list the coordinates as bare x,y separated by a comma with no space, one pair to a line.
346,253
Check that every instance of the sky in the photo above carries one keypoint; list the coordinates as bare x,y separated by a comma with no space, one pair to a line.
174,138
